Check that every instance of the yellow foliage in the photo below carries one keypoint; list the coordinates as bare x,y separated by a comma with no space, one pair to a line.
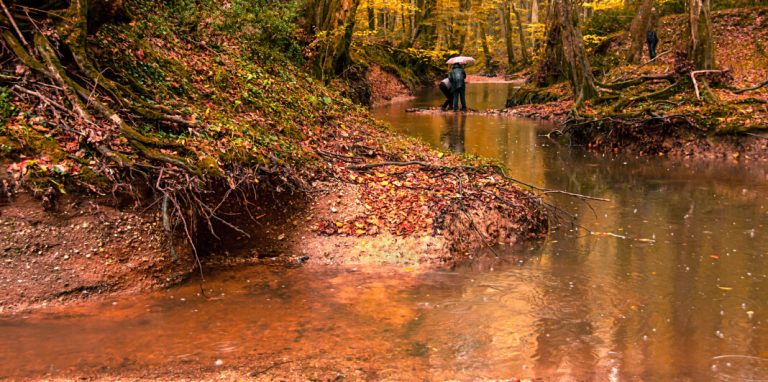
603,5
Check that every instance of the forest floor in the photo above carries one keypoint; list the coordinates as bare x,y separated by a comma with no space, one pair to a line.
720,124
289,172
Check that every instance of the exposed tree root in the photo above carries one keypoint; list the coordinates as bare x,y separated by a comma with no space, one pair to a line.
670,77
749,89
88,100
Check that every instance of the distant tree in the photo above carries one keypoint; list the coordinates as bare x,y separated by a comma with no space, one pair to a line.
641,23
423,23
521,35
507,31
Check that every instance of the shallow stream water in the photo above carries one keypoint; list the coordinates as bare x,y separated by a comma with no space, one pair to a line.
692,305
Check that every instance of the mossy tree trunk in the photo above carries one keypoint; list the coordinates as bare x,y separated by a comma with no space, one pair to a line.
335,20
564,56
701,49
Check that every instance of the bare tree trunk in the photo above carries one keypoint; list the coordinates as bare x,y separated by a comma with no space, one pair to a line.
381,22
521,36
489,67
507,28
371,18
564,55
700,47
637,30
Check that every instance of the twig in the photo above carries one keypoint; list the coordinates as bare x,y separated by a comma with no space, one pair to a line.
545,191
42,97
168,228
757,135
654,59
471,221
369,166
191,243
15,27
270,367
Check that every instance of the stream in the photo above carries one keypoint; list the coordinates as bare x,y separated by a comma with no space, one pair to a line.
689,301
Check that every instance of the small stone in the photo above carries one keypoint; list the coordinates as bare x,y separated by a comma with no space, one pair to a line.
281,237
66,257
218,362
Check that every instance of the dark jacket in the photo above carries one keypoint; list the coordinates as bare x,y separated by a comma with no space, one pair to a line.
457,77
651,37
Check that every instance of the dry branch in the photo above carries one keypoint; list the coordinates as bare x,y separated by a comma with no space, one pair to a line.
696,84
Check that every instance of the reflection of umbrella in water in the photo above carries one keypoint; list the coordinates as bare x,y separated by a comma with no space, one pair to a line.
461,60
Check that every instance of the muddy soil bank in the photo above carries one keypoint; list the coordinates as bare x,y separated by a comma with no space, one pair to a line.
86,249
81,249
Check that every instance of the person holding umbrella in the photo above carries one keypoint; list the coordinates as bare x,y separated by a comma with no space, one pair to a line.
457,78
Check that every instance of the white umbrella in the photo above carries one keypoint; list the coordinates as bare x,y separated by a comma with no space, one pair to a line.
461,60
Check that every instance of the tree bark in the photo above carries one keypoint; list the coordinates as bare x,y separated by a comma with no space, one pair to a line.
637,30
336,18
507,29
700,47
521,36
564,55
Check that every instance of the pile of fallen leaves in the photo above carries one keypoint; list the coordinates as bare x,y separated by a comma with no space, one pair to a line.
405,188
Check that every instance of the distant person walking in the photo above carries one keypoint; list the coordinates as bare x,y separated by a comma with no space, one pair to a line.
652,39
458,77
445,87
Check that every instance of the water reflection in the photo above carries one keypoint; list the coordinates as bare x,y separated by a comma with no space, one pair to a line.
454,132
690,306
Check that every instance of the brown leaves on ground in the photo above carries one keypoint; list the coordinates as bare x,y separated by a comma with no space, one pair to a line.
439,195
